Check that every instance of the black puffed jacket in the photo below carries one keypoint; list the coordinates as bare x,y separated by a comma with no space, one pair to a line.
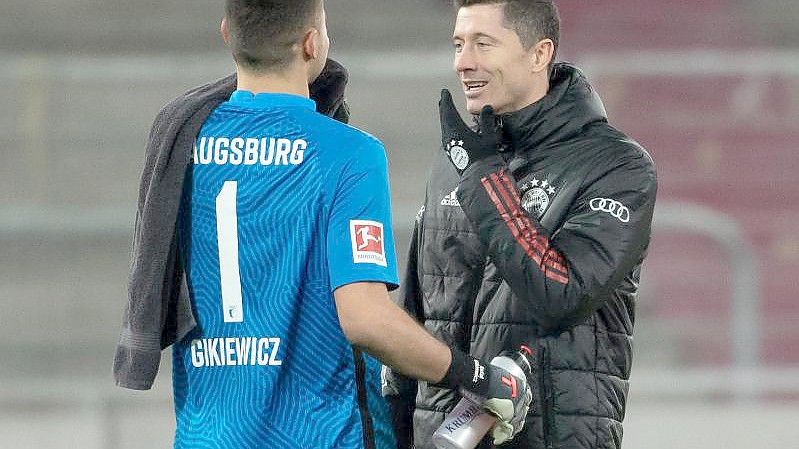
540,245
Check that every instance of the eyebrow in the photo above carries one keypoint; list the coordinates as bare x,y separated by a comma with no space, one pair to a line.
477,36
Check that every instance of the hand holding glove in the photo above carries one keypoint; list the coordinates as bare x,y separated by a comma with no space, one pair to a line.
505,394
511,414
462,145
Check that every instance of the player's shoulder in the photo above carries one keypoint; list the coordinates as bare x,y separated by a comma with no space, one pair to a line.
346,141
618,149
334,130
189,102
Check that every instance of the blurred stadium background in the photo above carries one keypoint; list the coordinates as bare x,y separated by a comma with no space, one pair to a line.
711,88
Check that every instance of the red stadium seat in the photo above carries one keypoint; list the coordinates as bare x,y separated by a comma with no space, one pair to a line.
654,24
728,142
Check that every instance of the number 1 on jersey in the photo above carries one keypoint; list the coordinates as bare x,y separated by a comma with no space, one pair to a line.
227,230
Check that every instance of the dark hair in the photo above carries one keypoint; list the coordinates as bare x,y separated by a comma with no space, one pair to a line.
263,32
532,20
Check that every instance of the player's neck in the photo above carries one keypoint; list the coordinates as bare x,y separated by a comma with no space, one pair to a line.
289,82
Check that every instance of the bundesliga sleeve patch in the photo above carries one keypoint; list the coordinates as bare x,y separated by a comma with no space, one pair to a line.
367,242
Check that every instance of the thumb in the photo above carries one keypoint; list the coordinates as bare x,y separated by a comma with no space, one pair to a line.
450,118
502,433
501,408
487,121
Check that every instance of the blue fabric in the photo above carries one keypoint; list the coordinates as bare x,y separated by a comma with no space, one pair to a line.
285,205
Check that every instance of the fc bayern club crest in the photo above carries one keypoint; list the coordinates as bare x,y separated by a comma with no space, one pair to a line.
458,155
536,196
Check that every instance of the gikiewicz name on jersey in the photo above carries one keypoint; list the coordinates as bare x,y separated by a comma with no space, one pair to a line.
249,351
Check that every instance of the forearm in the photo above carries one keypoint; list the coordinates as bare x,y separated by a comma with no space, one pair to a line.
570,273
520,248
372,322
399,342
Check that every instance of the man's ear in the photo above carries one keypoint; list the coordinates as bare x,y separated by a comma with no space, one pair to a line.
223,29
310,44
542,54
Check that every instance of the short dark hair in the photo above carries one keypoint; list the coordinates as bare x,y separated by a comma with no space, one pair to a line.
532,20
263,32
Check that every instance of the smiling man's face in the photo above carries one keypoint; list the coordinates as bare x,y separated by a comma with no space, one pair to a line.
493,66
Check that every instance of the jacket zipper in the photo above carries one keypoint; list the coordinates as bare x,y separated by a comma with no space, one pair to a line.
545,396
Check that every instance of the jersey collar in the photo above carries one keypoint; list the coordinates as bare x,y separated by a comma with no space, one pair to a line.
265,100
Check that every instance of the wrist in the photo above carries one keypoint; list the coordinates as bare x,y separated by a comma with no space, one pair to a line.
452,377
466,372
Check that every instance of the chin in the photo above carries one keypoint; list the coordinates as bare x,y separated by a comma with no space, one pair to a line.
475,106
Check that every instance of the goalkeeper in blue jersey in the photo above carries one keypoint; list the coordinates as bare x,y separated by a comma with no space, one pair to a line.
283,232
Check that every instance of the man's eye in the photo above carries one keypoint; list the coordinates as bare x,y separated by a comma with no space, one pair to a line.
458,47
483,45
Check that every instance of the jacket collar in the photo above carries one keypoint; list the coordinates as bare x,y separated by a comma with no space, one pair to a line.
568,107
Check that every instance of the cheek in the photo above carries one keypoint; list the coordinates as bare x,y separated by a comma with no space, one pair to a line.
517,80
505,71
505,86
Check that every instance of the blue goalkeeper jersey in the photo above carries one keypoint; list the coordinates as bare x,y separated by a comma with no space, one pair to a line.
281,206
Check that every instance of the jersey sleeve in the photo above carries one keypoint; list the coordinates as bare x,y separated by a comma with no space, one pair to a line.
360,241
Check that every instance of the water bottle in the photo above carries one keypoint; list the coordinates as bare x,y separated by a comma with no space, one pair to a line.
468,423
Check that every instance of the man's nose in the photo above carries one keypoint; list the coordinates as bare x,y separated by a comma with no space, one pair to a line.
465,60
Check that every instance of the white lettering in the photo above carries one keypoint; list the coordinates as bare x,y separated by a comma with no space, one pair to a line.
283,150
206,150
197,359
298,151
263,357
242,350
249,151
220,154
206,357
213,348
236,146
235,351
229,351
253,352
273,360
267,151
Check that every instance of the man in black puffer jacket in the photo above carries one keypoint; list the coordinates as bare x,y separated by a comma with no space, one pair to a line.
533,231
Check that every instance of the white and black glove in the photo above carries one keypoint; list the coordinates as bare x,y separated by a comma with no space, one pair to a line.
462,145
503,394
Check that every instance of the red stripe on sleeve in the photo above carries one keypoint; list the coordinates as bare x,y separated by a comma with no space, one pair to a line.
509,220
517,229
551,256
530,232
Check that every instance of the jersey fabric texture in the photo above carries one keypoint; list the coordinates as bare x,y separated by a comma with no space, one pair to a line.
281,206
